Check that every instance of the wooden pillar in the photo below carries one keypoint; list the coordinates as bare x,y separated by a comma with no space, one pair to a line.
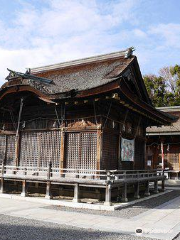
17,150
124,193
62,158
136,194
99,147
108,195
119,152
163,185
162,153
48,184
48,190
24,189
2,185
2,179
17,143
156,186
147,193
76,193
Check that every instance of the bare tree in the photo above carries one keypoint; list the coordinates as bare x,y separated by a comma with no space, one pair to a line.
166,73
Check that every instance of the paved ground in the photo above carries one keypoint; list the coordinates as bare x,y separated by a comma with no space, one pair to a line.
20,219
129,211
13,228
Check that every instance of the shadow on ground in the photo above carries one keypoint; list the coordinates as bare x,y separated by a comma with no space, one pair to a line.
12,228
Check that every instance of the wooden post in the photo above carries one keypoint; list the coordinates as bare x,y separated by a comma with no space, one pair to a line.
136,195
156,186
24,189
48,190
124,193
119,151
48,184
162,152
99,147
147,193
108,195
163,184
2,179
17,144
17,150
62,157
76,193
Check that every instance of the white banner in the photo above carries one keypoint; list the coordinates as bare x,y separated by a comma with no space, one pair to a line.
127,150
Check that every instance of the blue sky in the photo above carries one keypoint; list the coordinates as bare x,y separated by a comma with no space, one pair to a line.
40,32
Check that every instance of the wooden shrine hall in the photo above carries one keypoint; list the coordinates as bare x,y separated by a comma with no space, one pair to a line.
78,129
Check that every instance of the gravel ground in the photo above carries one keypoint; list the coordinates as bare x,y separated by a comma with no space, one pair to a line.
127,212
177,237
25,229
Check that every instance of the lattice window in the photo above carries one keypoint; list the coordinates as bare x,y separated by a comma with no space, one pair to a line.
73,150
39,148
50,146
81,150
2,147
88,150
29,155
10,156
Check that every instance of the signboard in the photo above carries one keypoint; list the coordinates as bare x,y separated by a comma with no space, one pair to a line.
148,162
127,150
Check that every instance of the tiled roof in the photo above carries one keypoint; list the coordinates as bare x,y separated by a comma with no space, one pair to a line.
78,75
174,128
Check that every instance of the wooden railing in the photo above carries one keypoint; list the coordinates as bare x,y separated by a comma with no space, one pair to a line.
58,174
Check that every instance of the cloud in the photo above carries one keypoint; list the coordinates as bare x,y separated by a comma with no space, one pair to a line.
61,30
58,30
168,33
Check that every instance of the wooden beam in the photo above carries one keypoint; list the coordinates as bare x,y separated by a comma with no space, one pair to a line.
17,149
99,147
62,157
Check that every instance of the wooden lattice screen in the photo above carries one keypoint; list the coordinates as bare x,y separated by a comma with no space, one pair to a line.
81,150
10,155
39,148
7,153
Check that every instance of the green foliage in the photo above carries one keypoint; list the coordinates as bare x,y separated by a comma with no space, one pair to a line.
164,89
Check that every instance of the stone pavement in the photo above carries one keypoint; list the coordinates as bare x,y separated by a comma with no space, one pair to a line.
162,222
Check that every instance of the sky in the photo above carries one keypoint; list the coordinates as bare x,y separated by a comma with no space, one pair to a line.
40,32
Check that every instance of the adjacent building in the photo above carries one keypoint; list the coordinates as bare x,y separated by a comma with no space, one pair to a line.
163,145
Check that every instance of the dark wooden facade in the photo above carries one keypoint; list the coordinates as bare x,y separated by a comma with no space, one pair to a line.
75,114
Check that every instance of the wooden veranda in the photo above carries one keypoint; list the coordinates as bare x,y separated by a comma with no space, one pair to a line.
108,180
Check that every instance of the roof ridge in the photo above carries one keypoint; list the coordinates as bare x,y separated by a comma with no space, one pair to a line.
124,53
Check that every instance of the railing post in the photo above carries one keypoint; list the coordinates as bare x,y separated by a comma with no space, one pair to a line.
48,184
124,191
163,182
108,195
76,193
136,195
25,171
156,186
24,189
108,175
2,178
147,193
